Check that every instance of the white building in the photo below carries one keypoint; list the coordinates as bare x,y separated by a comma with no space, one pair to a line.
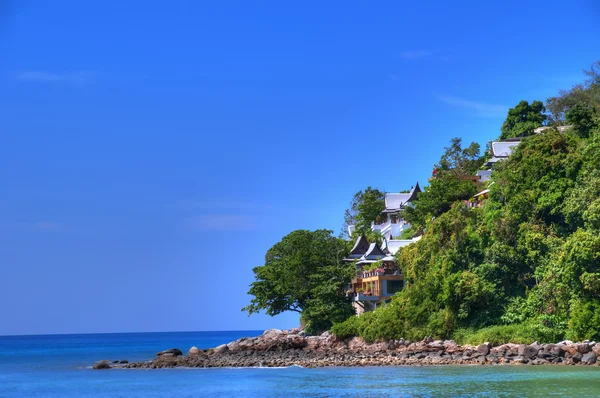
393,225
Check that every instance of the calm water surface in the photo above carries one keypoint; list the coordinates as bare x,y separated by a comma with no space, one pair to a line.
59,366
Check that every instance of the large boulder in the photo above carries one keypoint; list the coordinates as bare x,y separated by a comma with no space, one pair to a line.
101,365
527,351
589,358
272,334
221,349
172,352
484,348
583,348
194,351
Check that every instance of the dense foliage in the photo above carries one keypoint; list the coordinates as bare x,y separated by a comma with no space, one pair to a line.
304,272
366,207
526,265
523,119
447,185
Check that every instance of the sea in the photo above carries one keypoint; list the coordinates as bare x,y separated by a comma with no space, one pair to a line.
60,366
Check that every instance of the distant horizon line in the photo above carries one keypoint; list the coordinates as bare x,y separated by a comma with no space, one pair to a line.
95,333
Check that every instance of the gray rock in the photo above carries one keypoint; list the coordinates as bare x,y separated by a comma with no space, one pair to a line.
484,349
520,359
558,350
577,357
539,361
589,358
174,351
221,349
123,361
583,348
101,365
527,351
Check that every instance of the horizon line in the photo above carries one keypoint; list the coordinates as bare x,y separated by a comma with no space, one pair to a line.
95,333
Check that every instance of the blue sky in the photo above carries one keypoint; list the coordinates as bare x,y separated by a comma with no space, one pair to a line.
151,153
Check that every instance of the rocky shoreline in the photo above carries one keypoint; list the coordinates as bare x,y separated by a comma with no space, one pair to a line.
277,348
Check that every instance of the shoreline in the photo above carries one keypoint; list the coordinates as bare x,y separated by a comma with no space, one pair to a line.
281,349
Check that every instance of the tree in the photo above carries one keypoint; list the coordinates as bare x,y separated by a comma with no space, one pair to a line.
583,119
365,207
523,119
305,273
586,94
460,161
447,186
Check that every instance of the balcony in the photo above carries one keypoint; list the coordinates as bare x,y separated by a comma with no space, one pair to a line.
365,297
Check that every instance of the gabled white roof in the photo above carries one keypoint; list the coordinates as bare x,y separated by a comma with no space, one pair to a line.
395,201
503,149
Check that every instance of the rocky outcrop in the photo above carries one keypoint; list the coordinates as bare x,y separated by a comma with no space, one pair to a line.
279,348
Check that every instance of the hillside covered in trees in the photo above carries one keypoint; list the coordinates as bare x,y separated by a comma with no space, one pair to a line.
524,266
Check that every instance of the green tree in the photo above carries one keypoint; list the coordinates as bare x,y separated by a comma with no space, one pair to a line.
460,161
305,273
586,94
366,207
523,119
447,186
584,119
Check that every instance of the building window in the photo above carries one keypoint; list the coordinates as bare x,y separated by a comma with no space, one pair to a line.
394,287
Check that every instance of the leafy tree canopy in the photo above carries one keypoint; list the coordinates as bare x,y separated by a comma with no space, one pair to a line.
460,161
526,265
366,207
523,119
304,272
585,94
447,186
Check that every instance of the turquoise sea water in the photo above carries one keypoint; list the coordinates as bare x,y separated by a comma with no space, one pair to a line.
59,366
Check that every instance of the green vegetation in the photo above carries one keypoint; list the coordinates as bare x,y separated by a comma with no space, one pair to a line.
526,265
447,186
523,119
304,273
366,207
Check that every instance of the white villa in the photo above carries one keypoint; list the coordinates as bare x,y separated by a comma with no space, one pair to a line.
393,226
378,277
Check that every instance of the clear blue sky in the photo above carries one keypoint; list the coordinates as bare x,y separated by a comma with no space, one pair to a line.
152,152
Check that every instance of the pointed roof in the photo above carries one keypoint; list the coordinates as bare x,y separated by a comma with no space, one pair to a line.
374,253
360,248
397,201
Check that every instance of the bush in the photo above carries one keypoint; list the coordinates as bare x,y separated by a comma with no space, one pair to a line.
585,321
349,328
523,333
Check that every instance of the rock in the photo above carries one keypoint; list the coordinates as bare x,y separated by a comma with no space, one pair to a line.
123,361
450,344
115,361
583,348
539,361
520,359
558,350
527,351
589,358
577,357
174,351
101,365
437,344
536,346
194,351
272,334
596,349
221,349
484,348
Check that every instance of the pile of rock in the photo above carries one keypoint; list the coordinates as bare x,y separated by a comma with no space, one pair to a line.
287,348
